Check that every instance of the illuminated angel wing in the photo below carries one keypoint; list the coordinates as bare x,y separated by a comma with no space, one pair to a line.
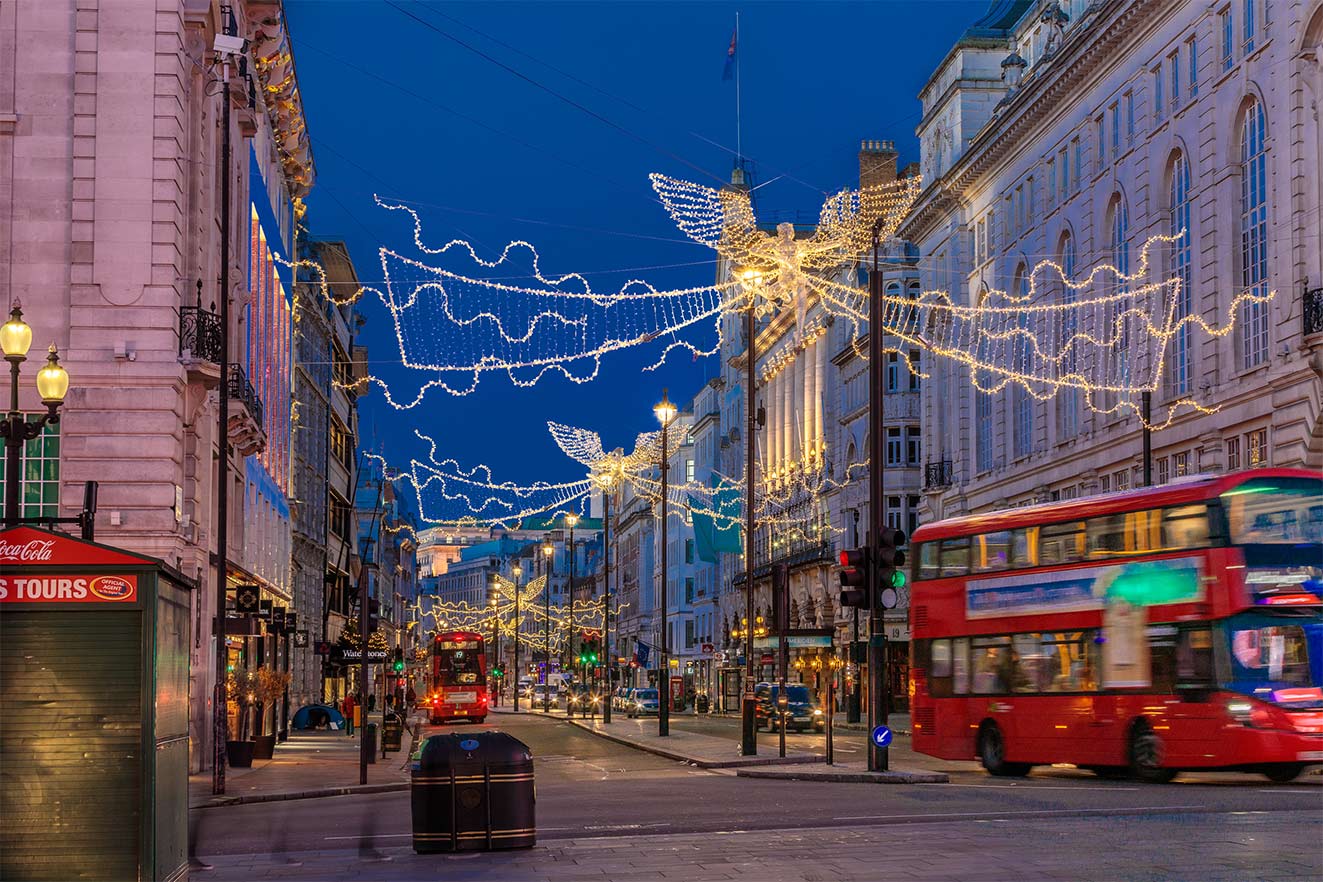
581,445
845,225
720,219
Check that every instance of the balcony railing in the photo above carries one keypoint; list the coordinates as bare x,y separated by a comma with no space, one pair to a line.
937,475
199,334
1313,310
242,391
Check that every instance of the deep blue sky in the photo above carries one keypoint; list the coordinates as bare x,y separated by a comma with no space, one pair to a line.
396,108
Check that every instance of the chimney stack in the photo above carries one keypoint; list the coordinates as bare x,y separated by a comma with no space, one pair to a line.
877,163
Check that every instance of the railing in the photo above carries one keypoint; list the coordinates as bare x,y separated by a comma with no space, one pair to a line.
241,390
1313,310
199,334
937,475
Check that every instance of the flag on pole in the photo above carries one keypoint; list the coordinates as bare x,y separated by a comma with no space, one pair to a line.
730,57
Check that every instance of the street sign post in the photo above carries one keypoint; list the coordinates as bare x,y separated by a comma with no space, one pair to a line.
882,736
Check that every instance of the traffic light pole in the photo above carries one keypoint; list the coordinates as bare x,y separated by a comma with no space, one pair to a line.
877,640
518,622
748,729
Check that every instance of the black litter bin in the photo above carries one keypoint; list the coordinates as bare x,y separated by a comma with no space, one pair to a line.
370,736
700,704
392,733
472,792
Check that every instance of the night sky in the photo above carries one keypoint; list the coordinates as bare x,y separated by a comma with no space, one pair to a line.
402,110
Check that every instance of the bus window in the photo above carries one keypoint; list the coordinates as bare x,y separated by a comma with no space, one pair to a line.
1106,536
991,665
939,667
1024,547
955,556
1162,657
1275,510
960,666
1069,664
1029,663
992,552
1184,526
928,561
1060,543
1194,658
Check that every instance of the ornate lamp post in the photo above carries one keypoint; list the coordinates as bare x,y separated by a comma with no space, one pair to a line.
665,412
548,554
52,384
571,520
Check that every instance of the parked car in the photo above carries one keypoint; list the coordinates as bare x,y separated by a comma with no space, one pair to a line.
539,694
799,713
576,694
620,698
642,703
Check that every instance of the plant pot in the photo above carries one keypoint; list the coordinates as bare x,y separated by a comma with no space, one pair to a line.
239,754
264,746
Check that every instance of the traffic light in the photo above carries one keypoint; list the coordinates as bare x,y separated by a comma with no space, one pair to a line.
890,560
854,578
398,665
374,610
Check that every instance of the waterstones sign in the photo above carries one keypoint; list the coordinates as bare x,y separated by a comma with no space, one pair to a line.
374,656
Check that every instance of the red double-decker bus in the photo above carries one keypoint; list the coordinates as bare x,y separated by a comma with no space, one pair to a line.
459,678
1139,633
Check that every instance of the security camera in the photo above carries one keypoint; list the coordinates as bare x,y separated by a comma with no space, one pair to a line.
226,44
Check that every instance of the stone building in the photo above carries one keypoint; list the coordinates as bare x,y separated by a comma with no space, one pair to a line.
325,438
110,162
1075,132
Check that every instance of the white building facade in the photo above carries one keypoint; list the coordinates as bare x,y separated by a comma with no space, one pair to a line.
1077,132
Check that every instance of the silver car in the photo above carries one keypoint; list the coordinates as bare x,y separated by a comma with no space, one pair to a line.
642,703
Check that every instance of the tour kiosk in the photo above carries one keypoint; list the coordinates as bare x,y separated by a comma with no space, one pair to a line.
94,666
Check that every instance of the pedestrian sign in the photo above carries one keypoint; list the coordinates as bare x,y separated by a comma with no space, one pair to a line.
881,736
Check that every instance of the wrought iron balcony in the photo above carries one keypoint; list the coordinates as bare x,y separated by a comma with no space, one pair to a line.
199,334
1313,310
937,475
242,392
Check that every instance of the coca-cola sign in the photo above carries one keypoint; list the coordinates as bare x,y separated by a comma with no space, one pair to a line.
30,547
32,551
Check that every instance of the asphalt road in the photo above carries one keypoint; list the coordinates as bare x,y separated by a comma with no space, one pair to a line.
590,787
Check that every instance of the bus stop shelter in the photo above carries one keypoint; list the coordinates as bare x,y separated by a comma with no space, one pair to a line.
94,671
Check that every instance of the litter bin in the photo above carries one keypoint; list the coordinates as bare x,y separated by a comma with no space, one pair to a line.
701,704
370,735
392,733
472,792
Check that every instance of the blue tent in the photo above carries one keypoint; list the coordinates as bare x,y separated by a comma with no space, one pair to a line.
306,716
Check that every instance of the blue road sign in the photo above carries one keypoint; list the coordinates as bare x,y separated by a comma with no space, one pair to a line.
881,736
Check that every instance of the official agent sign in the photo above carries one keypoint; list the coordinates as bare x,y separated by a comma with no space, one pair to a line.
68,589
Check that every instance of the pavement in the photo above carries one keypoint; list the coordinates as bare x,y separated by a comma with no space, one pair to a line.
310,764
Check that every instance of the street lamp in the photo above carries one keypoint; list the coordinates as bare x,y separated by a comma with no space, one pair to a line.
52,384
496,643
607,481
665,412
571,520
751,279
548,554
518,571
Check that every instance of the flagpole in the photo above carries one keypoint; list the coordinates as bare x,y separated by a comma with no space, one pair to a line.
739,147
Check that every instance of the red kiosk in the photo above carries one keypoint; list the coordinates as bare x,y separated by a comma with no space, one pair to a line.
94,670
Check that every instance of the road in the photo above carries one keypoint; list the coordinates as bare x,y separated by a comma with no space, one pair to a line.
590,789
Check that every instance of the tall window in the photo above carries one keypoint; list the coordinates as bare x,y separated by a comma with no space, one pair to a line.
1254,234
894,446
1192,47
1130,119
1114,112
1068,404
1178,366
1120,253
1022,403
1228,42
1078,166
39,473
916,368
1174,77
1063,161
1250,25
983,427
893,372
912,447
1159,105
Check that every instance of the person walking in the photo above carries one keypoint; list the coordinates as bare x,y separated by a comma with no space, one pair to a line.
372,702
348,711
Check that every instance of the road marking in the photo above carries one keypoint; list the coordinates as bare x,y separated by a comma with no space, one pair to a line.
1040,787
1275,790
373,836
1039,812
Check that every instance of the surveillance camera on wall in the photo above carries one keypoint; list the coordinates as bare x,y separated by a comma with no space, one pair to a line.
226,44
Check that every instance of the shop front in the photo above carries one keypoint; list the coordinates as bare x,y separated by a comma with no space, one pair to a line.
94,678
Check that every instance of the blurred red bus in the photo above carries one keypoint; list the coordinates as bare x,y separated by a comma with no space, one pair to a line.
1142,633
458,688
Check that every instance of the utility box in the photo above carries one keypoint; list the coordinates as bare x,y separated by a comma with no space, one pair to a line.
94,679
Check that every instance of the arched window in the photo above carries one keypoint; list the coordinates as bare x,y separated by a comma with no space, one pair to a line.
891,307
1022,403
1067,400
1254,234
1178,355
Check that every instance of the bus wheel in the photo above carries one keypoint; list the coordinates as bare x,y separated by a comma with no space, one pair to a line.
1146,755
992,753
1280,773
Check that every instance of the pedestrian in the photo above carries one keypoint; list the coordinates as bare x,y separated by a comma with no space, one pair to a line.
411,697
372,702
349,714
